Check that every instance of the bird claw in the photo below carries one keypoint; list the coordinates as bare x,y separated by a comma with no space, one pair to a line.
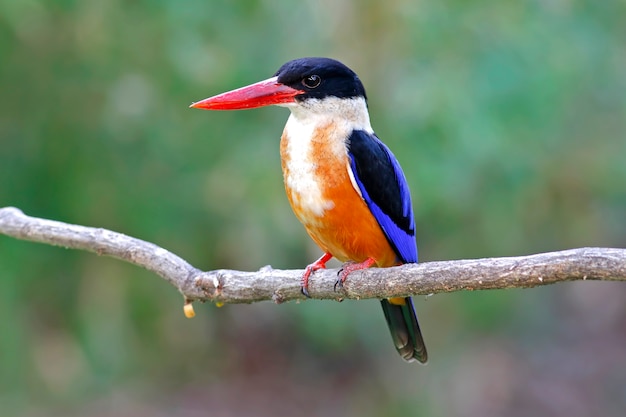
342,274
319,264
304,283
350,267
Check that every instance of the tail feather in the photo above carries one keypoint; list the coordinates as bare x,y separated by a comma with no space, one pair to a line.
405,330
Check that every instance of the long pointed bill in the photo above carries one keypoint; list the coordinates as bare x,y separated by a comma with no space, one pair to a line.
263,93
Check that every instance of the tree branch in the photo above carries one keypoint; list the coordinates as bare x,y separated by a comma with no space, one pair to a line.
228,286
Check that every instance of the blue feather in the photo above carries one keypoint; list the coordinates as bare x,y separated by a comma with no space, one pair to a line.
385,190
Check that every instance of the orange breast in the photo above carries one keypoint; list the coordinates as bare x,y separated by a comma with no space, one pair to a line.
324,199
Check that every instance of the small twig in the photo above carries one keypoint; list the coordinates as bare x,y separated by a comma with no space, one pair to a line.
227,286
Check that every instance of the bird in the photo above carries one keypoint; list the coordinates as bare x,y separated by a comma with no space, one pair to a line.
343,183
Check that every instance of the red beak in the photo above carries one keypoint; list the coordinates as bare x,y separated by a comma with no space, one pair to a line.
263,93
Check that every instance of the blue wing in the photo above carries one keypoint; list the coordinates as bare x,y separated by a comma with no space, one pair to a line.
385,191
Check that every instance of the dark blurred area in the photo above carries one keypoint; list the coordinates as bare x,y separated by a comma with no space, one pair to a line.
509,119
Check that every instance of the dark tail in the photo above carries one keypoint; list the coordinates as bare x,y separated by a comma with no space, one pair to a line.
405,331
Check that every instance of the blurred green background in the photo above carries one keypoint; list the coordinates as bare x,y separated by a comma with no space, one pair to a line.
509,119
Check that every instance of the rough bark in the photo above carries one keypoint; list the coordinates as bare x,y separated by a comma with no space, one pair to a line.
228,286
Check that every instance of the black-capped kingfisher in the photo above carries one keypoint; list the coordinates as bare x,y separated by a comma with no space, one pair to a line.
344,185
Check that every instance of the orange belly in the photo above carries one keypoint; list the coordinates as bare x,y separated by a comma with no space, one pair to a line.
340,223
350,233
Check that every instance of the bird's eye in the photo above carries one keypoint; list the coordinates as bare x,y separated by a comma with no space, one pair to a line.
312,81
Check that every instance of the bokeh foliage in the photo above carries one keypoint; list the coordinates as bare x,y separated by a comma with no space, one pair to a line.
509,119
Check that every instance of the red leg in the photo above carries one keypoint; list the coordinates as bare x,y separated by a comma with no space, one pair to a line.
319,264
349,268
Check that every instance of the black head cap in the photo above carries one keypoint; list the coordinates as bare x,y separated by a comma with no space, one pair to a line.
320,78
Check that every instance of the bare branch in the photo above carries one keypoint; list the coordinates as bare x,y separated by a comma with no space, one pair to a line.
227,286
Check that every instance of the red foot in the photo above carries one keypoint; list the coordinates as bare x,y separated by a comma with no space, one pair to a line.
319,264
349,268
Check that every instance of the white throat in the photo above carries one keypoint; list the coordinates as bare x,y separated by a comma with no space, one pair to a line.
349,112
